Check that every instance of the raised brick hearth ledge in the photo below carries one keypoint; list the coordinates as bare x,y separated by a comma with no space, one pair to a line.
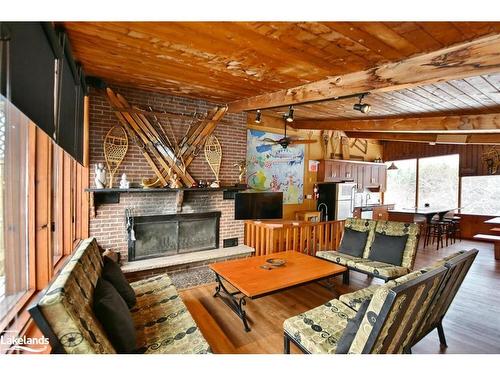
191,259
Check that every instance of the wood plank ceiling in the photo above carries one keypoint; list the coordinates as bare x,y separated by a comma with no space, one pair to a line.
227,61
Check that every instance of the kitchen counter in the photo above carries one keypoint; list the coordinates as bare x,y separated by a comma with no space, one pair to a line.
370,207
373,211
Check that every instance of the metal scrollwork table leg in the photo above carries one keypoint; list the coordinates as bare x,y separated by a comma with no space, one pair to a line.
234,303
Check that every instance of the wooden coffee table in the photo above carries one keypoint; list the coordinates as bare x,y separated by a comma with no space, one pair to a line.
252,281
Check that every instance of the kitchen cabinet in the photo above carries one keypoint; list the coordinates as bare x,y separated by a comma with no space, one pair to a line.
364,174
375,212
380,213
382,177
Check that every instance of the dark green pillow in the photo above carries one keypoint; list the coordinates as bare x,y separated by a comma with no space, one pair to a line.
353,242
114,315
351,329
388,249
113,273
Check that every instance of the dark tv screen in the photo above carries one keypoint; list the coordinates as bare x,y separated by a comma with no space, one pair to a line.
250,206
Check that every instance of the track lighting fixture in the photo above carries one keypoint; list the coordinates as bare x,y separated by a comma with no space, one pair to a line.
257,116
289,115
363,108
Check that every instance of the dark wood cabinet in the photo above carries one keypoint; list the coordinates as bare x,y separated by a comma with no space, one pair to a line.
364,174
380,213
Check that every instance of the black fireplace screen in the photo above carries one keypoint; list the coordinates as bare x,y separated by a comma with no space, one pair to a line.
163,235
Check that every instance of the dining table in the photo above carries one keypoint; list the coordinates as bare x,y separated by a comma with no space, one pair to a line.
427,212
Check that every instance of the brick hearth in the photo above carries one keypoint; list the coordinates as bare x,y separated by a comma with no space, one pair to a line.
108,226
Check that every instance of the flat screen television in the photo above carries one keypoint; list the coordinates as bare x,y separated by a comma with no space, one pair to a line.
250,206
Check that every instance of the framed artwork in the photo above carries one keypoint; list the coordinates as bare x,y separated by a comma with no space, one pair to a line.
272,168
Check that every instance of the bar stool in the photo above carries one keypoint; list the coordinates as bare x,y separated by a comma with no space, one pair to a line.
437,231
453,228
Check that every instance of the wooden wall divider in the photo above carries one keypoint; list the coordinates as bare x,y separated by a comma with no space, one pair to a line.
268,237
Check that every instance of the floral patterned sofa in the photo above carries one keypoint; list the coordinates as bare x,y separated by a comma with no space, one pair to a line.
390,318
64,312
363,264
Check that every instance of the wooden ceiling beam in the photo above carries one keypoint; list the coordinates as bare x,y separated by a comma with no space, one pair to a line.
480,56
483,123
442,138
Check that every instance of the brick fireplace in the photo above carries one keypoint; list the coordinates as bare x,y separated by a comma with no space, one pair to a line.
109,225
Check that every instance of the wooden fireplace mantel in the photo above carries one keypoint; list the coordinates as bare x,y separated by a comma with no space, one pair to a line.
111,196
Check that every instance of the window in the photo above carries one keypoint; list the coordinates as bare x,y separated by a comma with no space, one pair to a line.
480,195
51,225
402,183
56,203
14,251
438,181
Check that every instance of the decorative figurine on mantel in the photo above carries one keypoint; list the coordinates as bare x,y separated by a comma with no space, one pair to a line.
124,183
242,170
100,176
175,182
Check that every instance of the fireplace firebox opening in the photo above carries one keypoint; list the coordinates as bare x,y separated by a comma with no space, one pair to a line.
163,235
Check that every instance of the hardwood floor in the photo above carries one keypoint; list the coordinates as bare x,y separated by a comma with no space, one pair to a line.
472,324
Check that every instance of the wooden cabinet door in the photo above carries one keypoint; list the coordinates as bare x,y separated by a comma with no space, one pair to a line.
367,176
372,177
380,213
335,171
382,177
360,176
347,171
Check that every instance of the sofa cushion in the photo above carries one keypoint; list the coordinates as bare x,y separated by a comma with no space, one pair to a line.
113,273
355,299
379,269
353,242
388,249
113,314
162,320
67,303
352,327
394,228
339,258
362,225
319,330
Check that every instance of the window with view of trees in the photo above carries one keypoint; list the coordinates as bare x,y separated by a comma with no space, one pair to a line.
437,182
481,195
402,183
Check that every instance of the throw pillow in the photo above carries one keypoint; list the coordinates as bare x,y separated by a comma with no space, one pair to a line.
351,329
113,255
113,273
353,242
114,316
388,249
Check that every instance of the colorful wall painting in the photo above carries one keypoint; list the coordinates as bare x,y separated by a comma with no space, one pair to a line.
272,168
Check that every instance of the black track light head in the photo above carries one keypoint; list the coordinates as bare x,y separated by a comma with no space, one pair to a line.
363,108
258,117
289,115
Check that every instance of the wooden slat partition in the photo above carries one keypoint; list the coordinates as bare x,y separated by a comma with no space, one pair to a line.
272,236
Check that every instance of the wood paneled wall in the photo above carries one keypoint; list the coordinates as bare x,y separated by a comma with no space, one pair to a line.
470,155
